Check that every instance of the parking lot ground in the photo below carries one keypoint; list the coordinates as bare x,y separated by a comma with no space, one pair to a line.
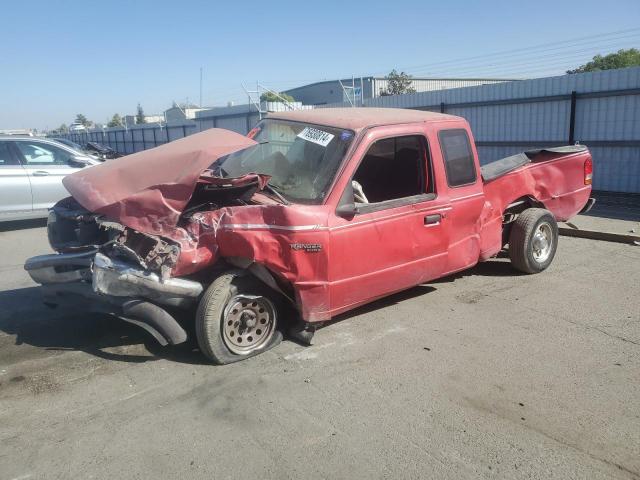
620,206
488,374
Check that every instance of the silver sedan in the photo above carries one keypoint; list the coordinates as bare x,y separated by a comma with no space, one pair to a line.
31,172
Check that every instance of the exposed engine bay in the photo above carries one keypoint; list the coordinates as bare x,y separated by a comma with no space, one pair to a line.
72,228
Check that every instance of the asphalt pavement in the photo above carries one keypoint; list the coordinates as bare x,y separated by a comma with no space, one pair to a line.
488,374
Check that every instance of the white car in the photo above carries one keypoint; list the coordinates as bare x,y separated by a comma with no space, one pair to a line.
31,172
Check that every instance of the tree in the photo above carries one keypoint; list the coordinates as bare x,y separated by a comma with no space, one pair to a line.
620,59
63,128
82,120
399,83
140,115
116,121
273,97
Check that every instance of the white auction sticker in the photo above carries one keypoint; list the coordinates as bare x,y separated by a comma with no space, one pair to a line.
316,136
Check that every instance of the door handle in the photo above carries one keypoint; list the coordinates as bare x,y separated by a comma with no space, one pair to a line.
40,173
432,219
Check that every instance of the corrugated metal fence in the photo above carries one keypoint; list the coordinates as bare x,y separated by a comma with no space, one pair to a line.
136,138
599,109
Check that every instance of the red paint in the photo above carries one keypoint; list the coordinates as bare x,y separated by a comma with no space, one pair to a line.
148,190
360,259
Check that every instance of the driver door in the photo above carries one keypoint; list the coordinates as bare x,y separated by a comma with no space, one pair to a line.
399,237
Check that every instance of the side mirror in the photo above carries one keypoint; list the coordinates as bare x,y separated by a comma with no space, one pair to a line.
346,206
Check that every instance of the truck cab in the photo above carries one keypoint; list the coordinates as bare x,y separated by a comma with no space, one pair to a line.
417,201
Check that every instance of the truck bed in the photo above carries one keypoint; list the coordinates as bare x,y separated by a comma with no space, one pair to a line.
551,178
501,167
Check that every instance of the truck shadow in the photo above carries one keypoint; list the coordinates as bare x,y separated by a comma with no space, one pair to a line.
24,316
22,224
388,301
496,267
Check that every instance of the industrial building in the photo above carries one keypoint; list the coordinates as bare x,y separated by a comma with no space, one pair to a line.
362,88
180,114
131,120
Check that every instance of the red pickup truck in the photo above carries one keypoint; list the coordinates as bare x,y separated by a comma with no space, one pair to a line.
311,214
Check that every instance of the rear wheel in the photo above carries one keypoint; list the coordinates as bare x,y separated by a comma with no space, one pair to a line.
237,318
533,240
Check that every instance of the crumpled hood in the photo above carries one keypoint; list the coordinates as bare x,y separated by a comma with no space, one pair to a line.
149,190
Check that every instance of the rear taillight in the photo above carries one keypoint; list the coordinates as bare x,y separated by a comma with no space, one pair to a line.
588,171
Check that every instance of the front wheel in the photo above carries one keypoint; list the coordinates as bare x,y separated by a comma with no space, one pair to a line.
237,318
533,240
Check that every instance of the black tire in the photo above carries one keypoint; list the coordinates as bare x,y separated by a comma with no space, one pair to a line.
212,338
522,240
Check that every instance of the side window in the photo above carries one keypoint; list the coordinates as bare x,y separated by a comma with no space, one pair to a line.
6,158
43,154
393,168
458,157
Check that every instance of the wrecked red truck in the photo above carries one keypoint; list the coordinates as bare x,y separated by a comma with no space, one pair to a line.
312,214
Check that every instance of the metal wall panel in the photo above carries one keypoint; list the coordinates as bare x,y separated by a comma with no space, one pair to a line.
428,84
237,124
608,118
616,169
137,139
205,124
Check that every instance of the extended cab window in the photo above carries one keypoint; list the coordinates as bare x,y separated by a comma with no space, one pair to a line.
458,157
393,168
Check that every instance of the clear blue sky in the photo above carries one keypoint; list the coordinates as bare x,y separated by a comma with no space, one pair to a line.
60,58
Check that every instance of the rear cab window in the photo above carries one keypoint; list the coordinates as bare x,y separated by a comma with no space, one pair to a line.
458,158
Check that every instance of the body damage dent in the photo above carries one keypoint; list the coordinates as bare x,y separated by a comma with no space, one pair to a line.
266,240
148,190
552,182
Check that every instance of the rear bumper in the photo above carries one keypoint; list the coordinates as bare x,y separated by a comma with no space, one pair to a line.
94,282
587,206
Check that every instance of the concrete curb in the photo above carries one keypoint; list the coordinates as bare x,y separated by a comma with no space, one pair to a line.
596,235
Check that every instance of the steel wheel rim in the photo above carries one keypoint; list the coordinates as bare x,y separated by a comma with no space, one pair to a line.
248,323
542,243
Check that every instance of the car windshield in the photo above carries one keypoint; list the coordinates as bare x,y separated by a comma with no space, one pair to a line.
301,159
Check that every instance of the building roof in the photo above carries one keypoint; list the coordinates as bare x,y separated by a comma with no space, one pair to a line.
347,81
359,118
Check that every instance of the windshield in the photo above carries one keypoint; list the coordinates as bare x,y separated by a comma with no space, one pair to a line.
301,159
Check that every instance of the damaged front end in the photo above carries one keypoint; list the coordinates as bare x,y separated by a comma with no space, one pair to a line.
71,228
104,266
124,240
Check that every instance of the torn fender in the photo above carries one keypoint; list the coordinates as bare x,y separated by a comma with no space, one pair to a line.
292,243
